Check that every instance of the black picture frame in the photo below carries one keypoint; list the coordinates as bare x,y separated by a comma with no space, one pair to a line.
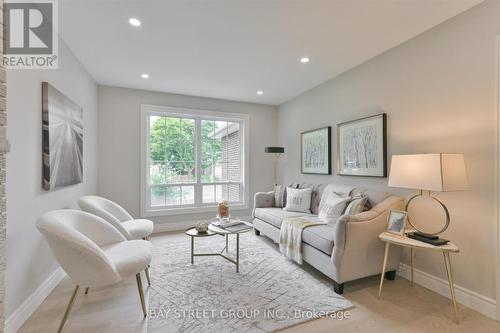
379,120
328,168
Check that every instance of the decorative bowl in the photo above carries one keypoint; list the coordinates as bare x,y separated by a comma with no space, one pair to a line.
201,227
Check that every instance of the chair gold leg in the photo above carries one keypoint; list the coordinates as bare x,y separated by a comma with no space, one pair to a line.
141,294
87,291
447,263
386,255
147,275
68,309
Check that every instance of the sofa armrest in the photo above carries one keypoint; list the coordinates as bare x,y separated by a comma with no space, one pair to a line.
263,200
357,247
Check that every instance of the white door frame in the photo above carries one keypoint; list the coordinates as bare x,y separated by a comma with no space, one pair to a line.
497,176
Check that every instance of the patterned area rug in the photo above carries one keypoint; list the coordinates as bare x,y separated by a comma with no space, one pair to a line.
269,293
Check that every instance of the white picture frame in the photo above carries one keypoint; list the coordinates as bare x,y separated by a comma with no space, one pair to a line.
396,221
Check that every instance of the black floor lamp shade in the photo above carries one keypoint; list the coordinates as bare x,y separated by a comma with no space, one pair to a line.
275,150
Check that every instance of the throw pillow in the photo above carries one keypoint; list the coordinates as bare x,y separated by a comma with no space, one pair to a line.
298,200
279,196
332,207
357,205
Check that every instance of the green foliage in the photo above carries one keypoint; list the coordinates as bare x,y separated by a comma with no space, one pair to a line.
172,149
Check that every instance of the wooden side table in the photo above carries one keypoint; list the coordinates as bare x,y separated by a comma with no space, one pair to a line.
413,244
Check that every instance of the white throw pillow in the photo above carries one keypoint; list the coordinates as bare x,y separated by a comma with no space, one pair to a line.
298,199
332,206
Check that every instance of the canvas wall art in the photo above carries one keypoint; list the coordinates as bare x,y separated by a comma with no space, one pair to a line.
62,131
316,151
362,147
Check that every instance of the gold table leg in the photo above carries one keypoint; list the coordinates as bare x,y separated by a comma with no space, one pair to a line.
386,255
237,253
412,264
68,309
192,250
447,263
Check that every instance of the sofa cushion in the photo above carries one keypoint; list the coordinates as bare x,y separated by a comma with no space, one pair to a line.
298,200
374,197
319,237
315,196
331,207
275,216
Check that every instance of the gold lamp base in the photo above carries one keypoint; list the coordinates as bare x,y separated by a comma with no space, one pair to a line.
430,238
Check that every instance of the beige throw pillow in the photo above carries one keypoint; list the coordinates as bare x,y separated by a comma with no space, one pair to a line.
331,207
298,200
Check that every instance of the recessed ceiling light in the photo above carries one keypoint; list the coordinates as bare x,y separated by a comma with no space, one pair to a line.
145,76
304,60
135,22
260,92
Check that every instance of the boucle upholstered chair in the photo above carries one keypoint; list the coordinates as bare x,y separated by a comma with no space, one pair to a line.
92,252
115,214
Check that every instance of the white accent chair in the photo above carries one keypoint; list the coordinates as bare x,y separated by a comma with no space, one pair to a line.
92,252
115,214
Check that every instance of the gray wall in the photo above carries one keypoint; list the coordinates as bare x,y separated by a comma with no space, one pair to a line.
440,96
119,145
29,259
3,215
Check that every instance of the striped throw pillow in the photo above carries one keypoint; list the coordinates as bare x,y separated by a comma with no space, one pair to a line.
357,205
279,196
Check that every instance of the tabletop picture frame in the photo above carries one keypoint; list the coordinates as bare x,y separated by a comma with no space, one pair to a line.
396,222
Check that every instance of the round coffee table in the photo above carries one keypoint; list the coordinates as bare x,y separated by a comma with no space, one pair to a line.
214,230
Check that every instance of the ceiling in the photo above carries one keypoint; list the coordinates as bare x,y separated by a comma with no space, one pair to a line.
231,49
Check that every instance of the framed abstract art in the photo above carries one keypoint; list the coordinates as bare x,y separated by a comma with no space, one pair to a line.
62,139
362,147
316,151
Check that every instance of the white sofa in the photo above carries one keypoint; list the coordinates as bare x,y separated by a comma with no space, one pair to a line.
346,250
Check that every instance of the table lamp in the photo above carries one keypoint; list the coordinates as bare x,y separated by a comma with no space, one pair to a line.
277,151
429,173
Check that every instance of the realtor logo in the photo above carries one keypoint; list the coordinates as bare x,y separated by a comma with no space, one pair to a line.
30,34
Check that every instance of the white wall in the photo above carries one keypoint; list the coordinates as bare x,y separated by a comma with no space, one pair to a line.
119,146
29,259
440,96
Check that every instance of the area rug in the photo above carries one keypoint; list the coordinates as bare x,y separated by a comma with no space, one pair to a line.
268,294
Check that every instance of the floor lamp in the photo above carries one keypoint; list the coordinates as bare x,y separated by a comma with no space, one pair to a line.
277,151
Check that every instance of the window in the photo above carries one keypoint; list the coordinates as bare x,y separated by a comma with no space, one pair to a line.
192,160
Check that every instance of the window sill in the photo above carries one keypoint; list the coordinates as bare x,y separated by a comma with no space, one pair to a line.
188,210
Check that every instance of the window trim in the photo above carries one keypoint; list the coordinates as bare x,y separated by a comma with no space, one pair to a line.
146,111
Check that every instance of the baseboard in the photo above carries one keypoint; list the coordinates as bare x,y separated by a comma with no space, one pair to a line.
172,226
21,315
183,225
466,297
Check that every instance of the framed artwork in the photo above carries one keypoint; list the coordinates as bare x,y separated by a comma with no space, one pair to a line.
316,151
396,222
62,139
362,147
